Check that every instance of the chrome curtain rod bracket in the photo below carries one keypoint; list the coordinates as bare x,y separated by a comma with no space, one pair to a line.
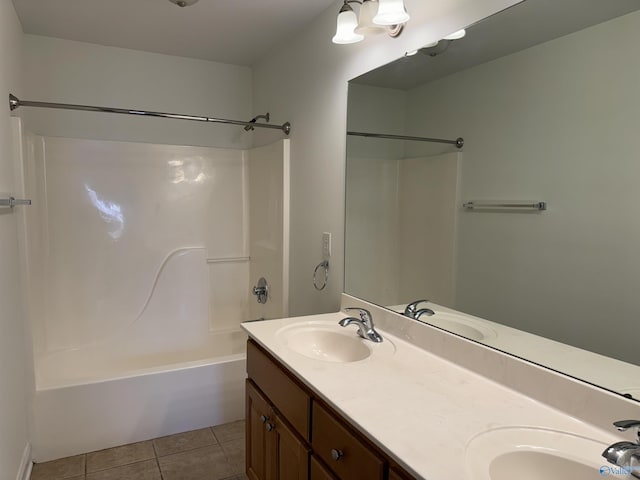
540,206
8,201
458,142
15,102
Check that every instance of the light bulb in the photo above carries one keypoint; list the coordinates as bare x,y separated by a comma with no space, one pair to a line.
391,12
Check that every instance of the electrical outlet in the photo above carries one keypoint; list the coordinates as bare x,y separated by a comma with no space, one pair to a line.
326,244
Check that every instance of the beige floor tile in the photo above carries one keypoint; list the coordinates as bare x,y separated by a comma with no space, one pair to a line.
234,451
147,470
184,441
57,469
229,431
208,463
118,456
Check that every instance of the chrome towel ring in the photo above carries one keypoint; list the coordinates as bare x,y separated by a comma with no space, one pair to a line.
325,266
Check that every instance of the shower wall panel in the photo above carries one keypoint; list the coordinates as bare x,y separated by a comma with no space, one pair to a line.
269,226
114,214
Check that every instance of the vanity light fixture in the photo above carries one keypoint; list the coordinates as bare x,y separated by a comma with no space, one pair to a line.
375,16
437,48
391,12
456,35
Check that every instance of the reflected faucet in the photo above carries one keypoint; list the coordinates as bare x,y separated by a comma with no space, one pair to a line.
626,454
412,311
364,323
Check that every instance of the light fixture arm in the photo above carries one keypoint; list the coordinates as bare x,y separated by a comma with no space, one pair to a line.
346,6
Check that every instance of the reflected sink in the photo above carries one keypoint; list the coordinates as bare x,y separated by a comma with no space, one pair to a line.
329,342
535,454
459,324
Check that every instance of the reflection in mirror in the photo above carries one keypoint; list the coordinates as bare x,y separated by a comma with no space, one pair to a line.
546,97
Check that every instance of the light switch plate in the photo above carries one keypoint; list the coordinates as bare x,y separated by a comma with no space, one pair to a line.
326,244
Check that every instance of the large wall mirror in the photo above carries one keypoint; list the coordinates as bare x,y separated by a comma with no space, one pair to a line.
546,95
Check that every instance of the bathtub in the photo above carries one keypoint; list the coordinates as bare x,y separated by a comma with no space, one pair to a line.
94,398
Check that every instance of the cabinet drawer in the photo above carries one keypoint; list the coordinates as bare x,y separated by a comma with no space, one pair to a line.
342,451
290,400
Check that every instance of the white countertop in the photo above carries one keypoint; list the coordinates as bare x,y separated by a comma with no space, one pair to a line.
420,409
592,367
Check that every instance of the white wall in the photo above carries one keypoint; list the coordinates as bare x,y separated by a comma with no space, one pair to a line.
13,398
305,82
65,71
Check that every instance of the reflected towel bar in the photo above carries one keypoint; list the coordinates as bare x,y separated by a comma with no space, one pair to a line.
15,102
12,202
227,259
458,142
505,205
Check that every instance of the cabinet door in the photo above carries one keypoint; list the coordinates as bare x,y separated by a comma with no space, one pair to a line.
318,472
290,457
258,413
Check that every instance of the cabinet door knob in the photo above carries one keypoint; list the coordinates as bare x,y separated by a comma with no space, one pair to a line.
336,454
270,426
264,418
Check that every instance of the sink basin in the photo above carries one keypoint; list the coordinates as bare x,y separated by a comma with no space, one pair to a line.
535,454
467,327
329,342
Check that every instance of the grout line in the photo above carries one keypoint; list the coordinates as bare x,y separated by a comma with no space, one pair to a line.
155,452
214,435
189,449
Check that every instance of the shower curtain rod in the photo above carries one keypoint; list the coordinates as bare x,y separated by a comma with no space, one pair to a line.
15,102
458,142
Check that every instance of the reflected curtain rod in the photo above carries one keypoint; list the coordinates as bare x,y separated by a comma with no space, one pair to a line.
458,142
15,102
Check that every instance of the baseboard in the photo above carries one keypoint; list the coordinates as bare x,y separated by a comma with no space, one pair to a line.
24,472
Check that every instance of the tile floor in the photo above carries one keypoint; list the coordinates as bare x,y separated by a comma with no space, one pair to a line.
215,453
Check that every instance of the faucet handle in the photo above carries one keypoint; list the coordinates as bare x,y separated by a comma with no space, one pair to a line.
365,315
411,309
624,425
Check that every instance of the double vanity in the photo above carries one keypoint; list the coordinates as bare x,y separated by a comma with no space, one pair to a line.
423,403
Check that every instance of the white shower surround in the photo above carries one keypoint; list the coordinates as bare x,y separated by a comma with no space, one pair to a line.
138,268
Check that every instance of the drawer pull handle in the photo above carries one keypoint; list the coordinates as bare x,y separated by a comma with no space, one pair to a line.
336,454
270,426
264,418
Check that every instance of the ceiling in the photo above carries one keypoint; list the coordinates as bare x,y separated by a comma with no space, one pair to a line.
229,31
521,26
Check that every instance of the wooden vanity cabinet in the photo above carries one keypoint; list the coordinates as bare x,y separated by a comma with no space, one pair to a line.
397,474
273,451
293,435
318,471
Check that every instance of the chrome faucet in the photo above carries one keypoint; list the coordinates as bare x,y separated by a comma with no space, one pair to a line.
412,311
364,323
626,454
